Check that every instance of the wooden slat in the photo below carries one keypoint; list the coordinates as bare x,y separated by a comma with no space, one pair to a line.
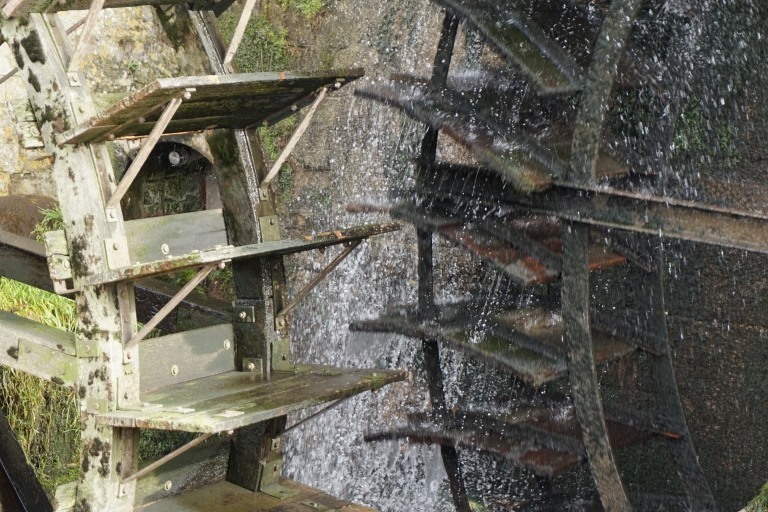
276,248
180,234
236,399
195,354
219,101
37,349
16,8
237,499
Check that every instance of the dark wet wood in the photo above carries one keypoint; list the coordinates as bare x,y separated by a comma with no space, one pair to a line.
17,477
218,101
236,399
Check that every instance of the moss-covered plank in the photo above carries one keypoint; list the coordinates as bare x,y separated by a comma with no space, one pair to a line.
236,399
218,101
37,349
276,248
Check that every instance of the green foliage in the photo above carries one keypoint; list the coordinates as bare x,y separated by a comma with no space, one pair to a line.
309,8
264,46
273,139
43,415
696,133
51,221
760,503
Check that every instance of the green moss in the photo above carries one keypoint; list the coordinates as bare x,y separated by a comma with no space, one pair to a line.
696,133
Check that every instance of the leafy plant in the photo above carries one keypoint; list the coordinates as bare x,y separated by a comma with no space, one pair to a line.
51,221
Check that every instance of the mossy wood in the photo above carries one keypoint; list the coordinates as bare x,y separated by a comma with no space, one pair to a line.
217,101
238,499
195,259
232,400
37,349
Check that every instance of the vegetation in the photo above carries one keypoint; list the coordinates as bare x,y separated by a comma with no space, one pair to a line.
273,139
44,416
264,46
51,221
694,132
309,8
760,503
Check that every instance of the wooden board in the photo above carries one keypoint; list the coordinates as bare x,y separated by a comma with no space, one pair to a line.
186,356
16,8
235,399
230,497
218,101
37,349
156,238
276,248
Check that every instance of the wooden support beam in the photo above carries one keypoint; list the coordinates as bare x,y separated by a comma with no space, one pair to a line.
159,462
314,282
237,37
146,149
294,140
175,301
85,36
8,75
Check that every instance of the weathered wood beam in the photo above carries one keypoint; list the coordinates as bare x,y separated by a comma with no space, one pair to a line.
34,348
85,35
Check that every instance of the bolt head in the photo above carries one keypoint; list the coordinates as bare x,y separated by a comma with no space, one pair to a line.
175,369
250,367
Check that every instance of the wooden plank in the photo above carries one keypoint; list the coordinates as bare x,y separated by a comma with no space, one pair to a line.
34,348
157,238
185,356
276,248
223,101
13,327
204,464
232,400
17,8
238,499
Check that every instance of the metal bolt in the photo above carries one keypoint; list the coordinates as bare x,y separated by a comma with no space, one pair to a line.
126,395
294,108
175,369
227,344
250,367
337,85
142,120
65,264
115,246
128,355
243,315
187,95
165,249
168,485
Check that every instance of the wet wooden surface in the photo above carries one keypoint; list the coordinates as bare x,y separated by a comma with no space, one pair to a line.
216,101
235,399
230,497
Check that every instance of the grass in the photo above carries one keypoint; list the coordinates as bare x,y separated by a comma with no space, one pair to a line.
309,8
51,221
44,416
264,46
273,139
760,503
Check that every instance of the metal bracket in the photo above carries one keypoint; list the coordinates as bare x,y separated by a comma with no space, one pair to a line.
253,365
270,481
313,505
270,228
97,406
281,350
244,314
86,348
116,250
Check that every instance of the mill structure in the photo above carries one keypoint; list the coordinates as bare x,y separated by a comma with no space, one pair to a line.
230,382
